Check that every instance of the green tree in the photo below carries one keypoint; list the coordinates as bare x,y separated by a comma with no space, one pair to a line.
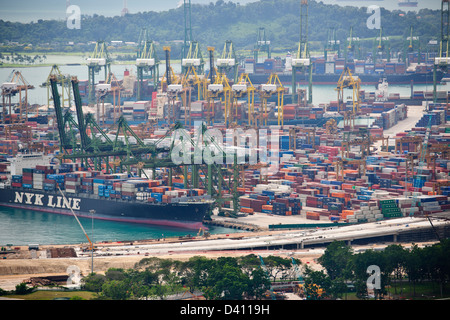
226,281
258,284
395,257
22,289
336,259
93,282
116,290
317,284
361,263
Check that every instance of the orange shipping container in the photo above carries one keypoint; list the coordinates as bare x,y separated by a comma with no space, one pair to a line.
338,195
247,210
346,186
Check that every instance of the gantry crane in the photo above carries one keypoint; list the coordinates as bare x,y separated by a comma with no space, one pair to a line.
309,134
193,69
207,94
170,85
412,44
190,82
443,60
227,64
188,38
169,76
341,163
220,89
331,127
417,142
193,59
349,81
64,82
332,45
116,88
16,85
261,45
242,88
97,149
302,59
353,46
99,59
147,65
360,138
381,48
273,86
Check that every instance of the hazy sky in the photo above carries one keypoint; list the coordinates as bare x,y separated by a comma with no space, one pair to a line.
32,10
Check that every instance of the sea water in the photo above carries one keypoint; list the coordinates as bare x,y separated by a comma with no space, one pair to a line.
23,227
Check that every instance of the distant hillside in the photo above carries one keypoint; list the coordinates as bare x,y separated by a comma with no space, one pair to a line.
215,23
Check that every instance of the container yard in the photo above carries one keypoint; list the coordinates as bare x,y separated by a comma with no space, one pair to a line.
177,149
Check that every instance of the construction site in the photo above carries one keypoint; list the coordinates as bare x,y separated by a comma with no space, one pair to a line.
291,175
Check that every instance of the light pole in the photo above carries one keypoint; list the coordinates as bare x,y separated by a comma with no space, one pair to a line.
92,248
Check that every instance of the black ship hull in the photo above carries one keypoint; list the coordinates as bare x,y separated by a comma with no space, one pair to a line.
186,215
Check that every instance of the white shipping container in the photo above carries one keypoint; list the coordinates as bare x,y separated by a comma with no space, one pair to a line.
329,68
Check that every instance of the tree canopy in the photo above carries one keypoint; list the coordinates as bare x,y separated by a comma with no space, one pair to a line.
217,22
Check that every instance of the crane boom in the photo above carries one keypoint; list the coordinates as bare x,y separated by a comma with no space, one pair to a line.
76,218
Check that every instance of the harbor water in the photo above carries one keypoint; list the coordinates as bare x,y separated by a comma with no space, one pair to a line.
37,75
24,227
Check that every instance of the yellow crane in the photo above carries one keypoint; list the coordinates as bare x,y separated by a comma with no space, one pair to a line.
273,86
9,89
348,81
244,87
219,89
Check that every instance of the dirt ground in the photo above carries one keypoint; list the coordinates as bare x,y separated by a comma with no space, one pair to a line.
22,265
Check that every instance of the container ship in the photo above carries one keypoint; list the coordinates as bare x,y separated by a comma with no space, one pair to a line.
417,70
63,189
407,3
